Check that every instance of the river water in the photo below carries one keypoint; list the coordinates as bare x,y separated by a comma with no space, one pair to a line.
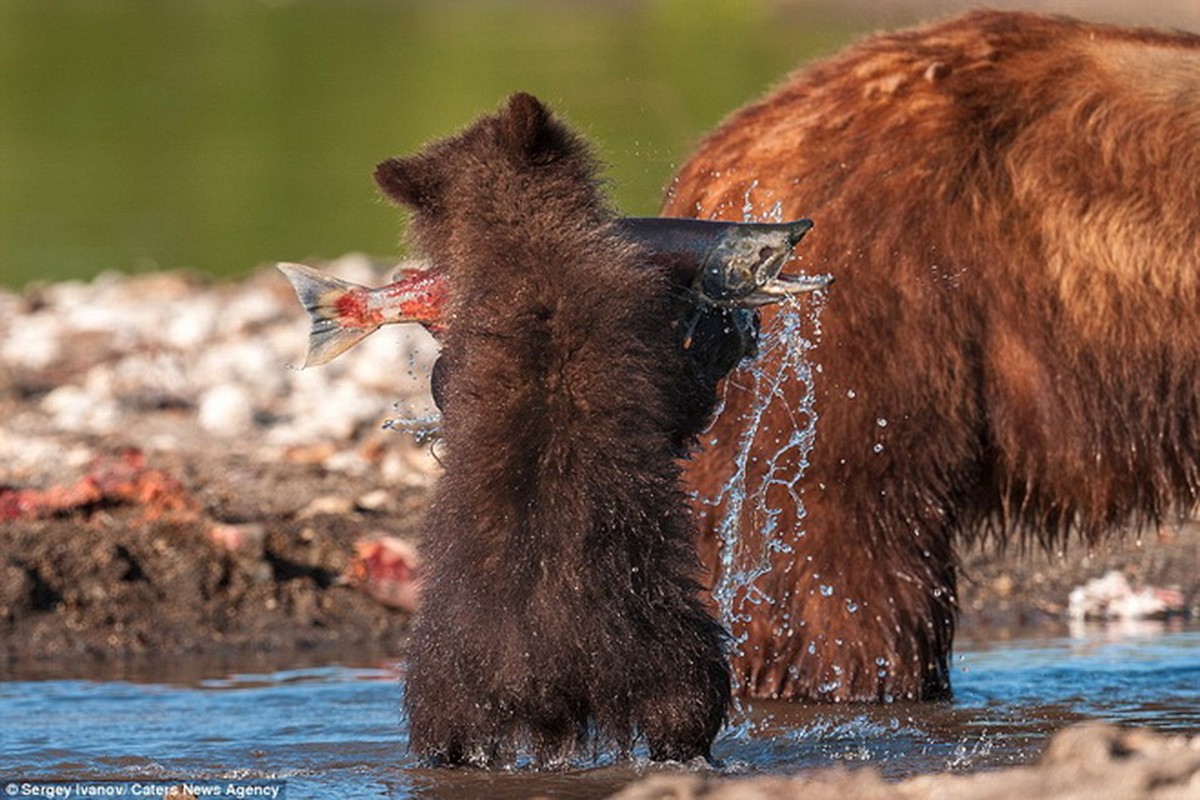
335,730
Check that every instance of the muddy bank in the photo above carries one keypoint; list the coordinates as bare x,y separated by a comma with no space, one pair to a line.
170,486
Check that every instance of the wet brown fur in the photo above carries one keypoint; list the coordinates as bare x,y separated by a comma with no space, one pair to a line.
560,606
1010,204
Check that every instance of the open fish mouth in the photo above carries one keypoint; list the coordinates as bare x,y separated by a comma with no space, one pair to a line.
781,287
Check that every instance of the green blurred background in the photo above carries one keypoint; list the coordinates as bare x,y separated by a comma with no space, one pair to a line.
222,134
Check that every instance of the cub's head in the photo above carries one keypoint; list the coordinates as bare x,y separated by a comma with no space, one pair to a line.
518,173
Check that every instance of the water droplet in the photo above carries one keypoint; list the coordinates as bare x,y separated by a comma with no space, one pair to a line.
850,393
812,648
826,590
878,448
881,422
851,606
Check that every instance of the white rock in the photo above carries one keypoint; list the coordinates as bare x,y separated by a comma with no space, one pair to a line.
226,410
34,342
192,324
73,409
1112,597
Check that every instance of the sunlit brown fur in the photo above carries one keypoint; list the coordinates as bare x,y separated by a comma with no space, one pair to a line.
1010,204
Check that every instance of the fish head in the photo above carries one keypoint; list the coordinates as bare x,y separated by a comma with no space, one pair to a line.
744,268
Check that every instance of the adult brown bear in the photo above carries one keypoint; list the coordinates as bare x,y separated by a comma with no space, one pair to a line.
1011,206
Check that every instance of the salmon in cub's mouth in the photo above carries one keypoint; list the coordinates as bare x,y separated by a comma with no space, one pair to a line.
736,265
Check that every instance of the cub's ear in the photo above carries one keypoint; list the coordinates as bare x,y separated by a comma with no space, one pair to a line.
529,130
412,181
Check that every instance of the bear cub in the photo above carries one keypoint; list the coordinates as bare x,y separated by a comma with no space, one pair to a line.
561,610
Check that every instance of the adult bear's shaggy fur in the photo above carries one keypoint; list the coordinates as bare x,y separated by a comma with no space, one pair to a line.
560,599
1011,206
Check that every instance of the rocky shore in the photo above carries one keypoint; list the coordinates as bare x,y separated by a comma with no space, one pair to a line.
169,485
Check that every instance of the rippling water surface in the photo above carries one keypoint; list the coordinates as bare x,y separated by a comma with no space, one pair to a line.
336,730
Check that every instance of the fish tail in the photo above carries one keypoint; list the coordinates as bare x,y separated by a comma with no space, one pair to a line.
332,333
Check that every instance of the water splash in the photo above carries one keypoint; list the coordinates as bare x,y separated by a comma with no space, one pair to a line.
772,214
970,750
422,427
782,373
